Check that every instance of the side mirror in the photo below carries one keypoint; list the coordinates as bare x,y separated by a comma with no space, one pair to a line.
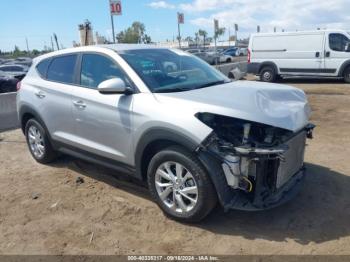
347,47
114,86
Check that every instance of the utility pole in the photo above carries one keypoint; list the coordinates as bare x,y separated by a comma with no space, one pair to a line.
27,45
180,20
216,29
115,9
113,32
52,47
56,40
236,34
179,36
229,37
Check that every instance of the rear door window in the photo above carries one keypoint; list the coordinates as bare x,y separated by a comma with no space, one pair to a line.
62,69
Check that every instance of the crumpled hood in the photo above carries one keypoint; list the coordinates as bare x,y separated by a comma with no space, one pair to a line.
272,104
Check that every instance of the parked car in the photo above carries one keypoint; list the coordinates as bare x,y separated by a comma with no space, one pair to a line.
7,84
193,135
14,70
319,53
224,58
27,61
209,57
242,52
193,51
231,51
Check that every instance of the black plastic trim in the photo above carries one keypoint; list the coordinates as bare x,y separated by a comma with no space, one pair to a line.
90,157
25,109
307,70
158,134
253,68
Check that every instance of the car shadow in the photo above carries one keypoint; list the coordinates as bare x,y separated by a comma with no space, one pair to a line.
320,212
105,175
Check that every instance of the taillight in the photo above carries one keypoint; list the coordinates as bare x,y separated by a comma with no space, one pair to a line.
248,55
18,86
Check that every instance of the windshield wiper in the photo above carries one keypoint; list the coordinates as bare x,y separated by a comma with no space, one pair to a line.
172,90
213,84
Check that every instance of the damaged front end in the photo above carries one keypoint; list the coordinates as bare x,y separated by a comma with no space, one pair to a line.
262,165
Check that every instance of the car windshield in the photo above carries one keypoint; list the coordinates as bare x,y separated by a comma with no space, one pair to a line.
167,70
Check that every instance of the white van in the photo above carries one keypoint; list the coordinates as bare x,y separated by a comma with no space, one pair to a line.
320,53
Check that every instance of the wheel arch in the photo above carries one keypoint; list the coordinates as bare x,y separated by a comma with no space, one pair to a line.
345,65
270,64
157,139
154,140
26,113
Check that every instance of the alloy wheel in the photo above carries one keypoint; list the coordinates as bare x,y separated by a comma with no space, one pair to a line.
176,187
36,142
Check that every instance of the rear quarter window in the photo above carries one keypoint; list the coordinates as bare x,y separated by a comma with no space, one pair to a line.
42,67
62,68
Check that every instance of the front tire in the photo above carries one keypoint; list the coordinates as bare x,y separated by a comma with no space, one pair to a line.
180,185
268,74
38,142
347,75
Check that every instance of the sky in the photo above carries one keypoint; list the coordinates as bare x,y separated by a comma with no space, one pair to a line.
37,20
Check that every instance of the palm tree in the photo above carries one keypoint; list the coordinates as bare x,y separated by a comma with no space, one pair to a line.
189,39
196,38
219,32
204,34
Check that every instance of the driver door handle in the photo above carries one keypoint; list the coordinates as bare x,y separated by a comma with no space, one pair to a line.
79,104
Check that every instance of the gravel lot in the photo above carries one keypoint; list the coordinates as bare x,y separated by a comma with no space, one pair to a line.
44,211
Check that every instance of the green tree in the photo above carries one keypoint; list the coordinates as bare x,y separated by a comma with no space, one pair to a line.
189,39
196,38
204,34
35,52
17,52
219,32
134,34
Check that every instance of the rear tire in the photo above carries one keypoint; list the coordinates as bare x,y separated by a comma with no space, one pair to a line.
38,142
347,75
268,74
180,185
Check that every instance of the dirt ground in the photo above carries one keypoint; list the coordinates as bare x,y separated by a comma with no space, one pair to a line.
44,211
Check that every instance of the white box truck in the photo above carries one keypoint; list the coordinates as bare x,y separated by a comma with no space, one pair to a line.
319,53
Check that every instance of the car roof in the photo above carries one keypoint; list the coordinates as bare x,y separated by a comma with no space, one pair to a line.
301,32
92,48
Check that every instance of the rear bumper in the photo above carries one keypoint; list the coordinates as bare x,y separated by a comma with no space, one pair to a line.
253,68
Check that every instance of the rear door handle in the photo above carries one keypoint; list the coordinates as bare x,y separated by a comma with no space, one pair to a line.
79,104
317,54
40,94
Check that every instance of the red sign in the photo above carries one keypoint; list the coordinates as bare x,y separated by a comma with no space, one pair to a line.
116,7
180,18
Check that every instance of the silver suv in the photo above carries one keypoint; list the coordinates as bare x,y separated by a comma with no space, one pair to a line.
196,137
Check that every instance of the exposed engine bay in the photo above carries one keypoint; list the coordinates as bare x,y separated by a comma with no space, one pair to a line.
257,159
